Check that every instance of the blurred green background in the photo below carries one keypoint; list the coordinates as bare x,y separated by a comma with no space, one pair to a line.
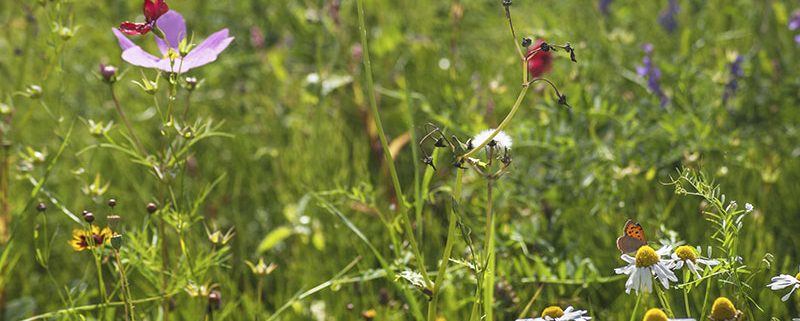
291,91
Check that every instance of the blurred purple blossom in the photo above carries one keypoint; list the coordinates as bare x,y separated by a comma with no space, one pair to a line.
256,37
736,72
604,6
173,26
794,24
794,21
668,17
650,71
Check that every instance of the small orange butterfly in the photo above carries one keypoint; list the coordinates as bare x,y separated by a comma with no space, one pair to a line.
632,237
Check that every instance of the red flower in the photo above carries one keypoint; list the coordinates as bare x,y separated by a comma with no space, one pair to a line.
541,61
152,9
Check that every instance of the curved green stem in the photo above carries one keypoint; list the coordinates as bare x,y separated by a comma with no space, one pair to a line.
502,125
401,206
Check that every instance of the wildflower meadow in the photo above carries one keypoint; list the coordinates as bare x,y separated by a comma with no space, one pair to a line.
456,160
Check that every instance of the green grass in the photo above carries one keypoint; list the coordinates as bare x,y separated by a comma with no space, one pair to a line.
296,166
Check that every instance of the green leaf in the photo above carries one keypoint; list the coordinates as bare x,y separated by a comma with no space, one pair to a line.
277,235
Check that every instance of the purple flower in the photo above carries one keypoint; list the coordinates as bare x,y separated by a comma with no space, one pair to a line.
794,22
604,6
650,71
735,68
667,18
174,28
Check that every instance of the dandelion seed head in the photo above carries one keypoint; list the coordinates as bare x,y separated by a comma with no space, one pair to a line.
723,309
686,253
655,314
646,256
553,312
500,141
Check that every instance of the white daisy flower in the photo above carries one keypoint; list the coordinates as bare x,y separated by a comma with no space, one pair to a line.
655,314
687,256
748,207
500,142
555,313
647,264
785,281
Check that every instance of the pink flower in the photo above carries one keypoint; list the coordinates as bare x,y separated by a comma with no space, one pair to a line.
174,28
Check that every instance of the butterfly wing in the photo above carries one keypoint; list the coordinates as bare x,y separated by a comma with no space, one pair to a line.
632,238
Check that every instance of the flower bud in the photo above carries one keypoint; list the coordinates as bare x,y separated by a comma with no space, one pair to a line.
116,241
41,207
33,91
151,207
112,202
214,300
109,73
88,217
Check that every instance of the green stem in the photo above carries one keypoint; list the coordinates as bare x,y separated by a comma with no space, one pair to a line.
686,275
448,247
126,290
488,278
409,230
636,307
502,125
705,301
91,307
125,121
662,297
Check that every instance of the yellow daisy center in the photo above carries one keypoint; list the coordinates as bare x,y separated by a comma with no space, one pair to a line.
553,312
646,257
723,309
797,276
655,315
686,253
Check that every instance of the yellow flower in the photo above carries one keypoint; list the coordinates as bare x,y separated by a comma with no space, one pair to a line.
655,315
723,310
553,312
85,240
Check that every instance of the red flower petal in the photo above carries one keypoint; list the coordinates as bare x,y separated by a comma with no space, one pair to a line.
154,9
541,62
134,29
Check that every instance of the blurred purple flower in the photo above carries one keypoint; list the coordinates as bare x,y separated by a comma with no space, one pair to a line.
794,21
794,24
174,28
667,18
735,68
604,6
650,71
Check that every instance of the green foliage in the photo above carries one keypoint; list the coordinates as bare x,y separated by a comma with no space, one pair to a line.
274,157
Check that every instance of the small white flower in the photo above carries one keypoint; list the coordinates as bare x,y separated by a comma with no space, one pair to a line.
785,281
555,313
748,207
500,142
687,256
647,264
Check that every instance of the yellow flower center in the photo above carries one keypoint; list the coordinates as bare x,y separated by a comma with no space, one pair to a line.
553,312
172,54
655,315
723,309
646,257
686,253
797,276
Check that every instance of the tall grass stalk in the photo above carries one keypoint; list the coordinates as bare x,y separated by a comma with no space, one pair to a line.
401,206
451,206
